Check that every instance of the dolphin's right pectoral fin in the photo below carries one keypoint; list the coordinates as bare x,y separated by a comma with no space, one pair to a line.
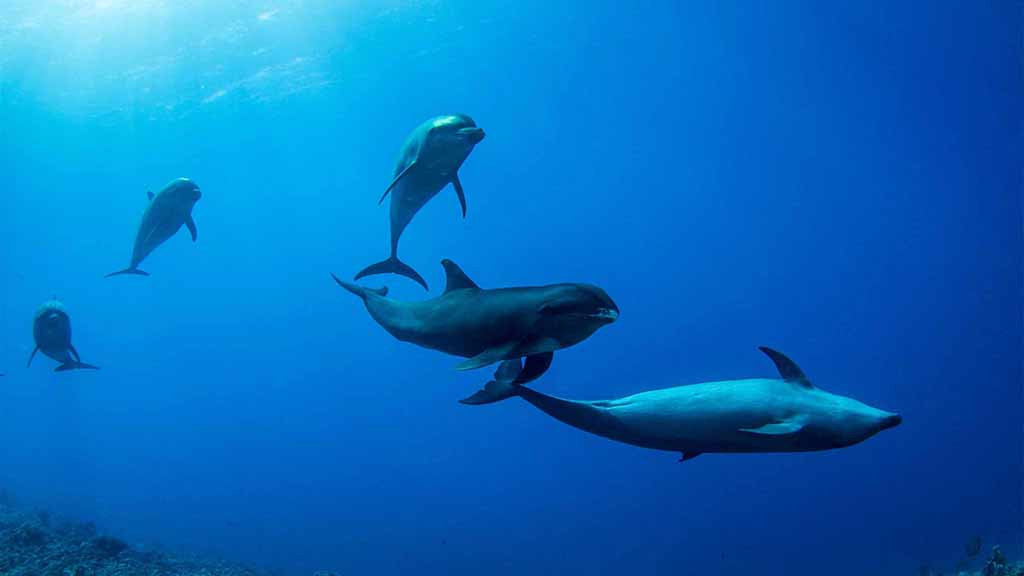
487,357
191,224
776,428
394,182
689,456
31,356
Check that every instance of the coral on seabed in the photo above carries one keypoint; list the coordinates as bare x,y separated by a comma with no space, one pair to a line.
31,546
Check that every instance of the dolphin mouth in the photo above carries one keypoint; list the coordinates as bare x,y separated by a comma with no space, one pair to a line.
606,314
473,133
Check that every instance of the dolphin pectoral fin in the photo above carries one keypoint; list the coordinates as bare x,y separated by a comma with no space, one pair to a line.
536,365
776,428
71,348
395,181
688,456
460,192
191,227
487,357
31,356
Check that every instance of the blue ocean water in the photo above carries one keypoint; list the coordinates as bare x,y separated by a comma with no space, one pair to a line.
838,181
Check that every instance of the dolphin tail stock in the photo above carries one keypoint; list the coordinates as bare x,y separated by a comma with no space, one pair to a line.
361,291
74,365
503,387
393,266
132,270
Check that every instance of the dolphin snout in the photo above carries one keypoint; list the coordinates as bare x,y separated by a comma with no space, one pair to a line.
474,133
891,421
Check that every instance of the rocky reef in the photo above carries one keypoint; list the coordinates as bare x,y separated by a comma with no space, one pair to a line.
996,564
33,544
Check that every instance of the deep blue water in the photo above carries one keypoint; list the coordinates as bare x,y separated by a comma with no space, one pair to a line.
841,182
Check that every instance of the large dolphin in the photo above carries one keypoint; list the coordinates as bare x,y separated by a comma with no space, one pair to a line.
488,326
51,329
757,415
430,160
168,210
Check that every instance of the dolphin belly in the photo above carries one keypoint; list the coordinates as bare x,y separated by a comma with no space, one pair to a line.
411,195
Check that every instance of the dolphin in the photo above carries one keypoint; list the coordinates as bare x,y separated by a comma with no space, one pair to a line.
488,326
51,329
430,160
167,211
757,415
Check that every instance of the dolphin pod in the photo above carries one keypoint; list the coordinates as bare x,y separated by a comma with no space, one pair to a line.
430,160
167,212
520,329
491,325
787,414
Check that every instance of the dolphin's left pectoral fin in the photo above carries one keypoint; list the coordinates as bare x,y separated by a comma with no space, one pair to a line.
191,227
487,357
462,195
401,175
689,456
776,428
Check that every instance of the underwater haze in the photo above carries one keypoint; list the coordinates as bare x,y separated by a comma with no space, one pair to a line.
839,181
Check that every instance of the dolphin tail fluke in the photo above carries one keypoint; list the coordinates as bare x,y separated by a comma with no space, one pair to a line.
358,290
393,266
501,388
75,366
132,270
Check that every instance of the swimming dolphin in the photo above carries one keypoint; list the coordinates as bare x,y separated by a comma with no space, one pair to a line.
167,211
758,415
51,330
430,159
487,326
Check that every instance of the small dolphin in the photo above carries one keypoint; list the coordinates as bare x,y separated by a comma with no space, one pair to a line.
756,415
430,160
487,326
51,329
167,211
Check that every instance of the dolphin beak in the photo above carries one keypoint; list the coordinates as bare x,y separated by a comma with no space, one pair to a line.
609,315
473,133
891,421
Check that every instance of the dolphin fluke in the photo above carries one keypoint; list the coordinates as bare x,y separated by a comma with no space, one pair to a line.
503,386
133,270
358,290
393,266
75,366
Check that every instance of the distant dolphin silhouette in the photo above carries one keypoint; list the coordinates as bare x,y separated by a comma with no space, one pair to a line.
168,210
757,415
51,329
430,160
487,326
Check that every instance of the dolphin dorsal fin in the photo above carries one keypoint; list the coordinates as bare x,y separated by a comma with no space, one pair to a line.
786,367
455,278
149,194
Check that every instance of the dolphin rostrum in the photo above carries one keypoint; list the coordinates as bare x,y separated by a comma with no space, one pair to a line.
488,326
168,210
757,415
430,160
51,329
